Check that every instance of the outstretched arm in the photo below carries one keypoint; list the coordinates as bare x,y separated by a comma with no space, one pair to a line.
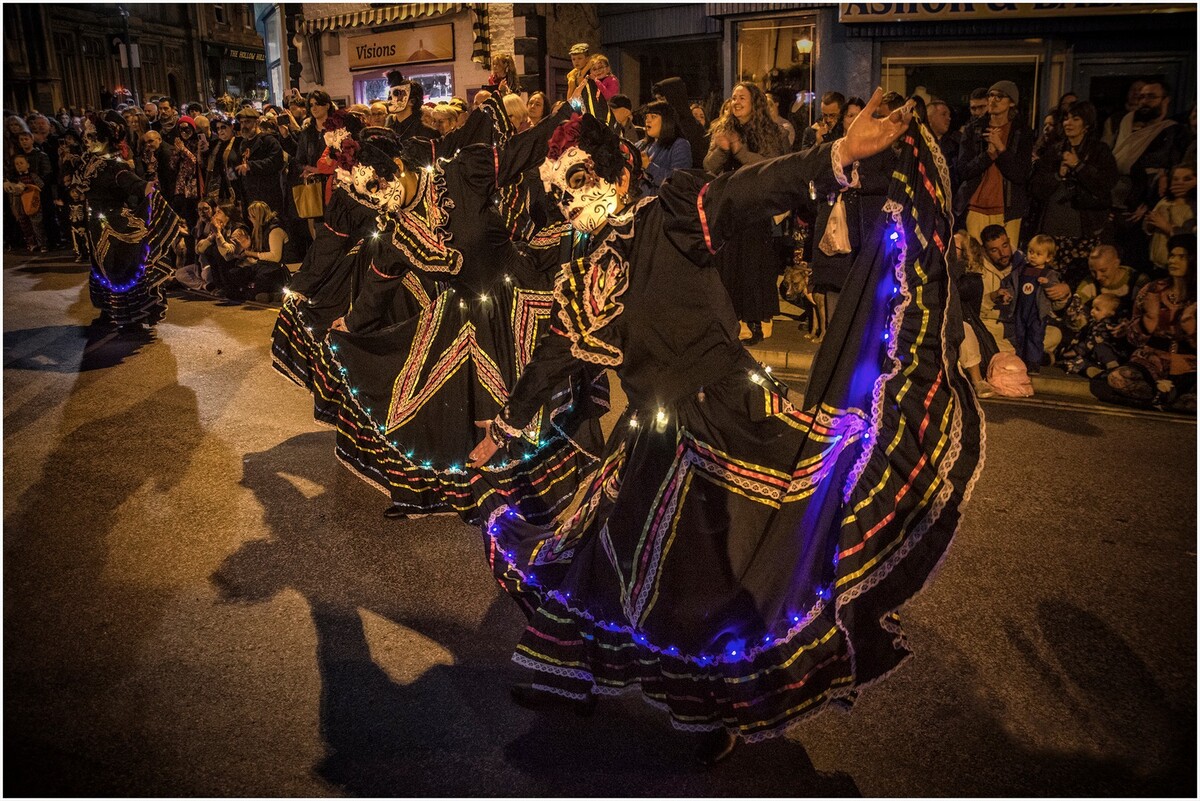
762,190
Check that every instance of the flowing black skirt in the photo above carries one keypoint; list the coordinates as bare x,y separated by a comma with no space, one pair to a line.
133,256
740,560
408,397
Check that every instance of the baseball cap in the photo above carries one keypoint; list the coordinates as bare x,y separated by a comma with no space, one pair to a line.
579,49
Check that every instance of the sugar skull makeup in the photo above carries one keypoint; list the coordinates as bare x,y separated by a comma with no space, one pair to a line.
398,98
585,199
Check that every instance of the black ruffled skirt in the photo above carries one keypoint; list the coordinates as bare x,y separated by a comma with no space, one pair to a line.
408,397
740,560
133,256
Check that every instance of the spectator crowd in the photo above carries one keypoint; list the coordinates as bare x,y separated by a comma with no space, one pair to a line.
1077,241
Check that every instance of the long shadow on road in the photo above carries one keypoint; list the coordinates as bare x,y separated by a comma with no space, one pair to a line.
72,630
70,348
450,730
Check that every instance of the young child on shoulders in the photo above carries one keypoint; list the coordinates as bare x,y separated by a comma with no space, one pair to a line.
1024,292
1100,346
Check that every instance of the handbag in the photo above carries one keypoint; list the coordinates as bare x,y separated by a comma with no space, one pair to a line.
31,201
309,196
836,239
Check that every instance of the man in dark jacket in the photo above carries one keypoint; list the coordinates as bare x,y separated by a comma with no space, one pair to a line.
46,141
261,163
994,163
829,128
938,118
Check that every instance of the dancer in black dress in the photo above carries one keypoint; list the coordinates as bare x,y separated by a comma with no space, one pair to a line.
412,393
737,558
132,231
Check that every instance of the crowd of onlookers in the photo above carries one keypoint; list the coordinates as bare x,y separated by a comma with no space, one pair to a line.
1077,243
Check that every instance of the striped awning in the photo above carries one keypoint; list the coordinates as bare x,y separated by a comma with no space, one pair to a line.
387,15
405,12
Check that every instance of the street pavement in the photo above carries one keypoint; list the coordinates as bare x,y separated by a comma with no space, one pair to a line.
199,600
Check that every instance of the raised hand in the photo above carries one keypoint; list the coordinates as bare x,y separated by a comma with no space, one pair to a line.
868,135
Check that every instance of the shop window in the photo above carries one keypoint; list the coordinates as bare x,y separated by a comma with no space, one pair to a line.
777,55
438,86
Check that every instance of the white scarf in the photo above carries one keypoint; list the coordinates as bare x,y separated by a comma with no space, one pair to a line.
1132,144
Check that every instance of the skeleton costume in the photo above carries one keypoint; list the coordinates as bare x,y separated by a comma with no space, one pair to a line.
132,236
738,558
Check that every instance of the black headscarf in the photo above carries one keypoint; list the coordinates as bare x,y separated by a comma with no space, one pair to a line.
674,91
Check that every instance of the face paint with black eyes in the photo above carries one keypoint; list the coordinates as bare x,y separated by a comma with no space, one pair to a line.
585,199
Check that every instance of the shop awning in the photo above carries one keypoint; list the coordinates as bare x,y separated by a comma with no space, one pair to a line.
405,12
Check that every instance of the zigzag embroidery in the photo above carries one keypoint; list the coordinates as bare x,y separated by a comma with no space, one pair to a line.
406,399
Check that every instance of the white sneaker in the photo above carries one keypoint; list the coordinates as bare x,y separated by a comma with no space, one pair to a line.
984,390
767,327
743,331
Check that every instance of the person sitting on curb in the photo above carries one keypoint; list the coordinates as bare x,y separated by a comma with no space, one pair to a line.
1001,259
1109,277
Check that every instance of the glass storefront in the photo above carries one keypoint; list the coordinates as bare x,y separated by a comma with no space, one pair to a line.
778,56
437,83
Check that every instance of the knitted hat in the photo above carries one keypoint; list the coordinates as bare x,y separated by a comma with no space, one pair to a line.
1007,88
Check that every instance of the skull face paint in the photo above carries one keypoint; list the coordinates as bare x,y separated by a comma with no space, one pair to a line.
398,98
585,199
90,141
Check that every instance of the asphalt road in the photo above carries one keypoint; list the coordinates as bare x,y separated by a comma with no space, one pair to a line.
198,600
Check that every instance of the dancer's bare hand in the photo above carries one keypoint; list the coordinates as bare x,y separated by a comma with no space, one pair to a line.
485,450
339,324
868,135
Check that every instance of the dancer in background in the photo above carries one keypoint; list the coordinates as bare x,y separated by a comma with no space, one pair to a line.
132,231
412,393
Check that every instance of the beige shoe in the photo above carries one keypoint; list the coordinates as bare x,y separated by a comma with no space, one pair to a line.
767,327
743,331
984,390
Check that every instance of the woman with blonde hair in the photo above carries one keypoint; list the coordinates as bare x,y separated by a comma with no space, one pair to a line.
978,346
445,118
264,256
517,112
750,264
504,70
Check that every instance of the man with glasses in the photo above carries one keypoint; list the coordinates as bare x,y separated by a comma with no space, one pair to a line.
994,162
829,127
1148,145
221,161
